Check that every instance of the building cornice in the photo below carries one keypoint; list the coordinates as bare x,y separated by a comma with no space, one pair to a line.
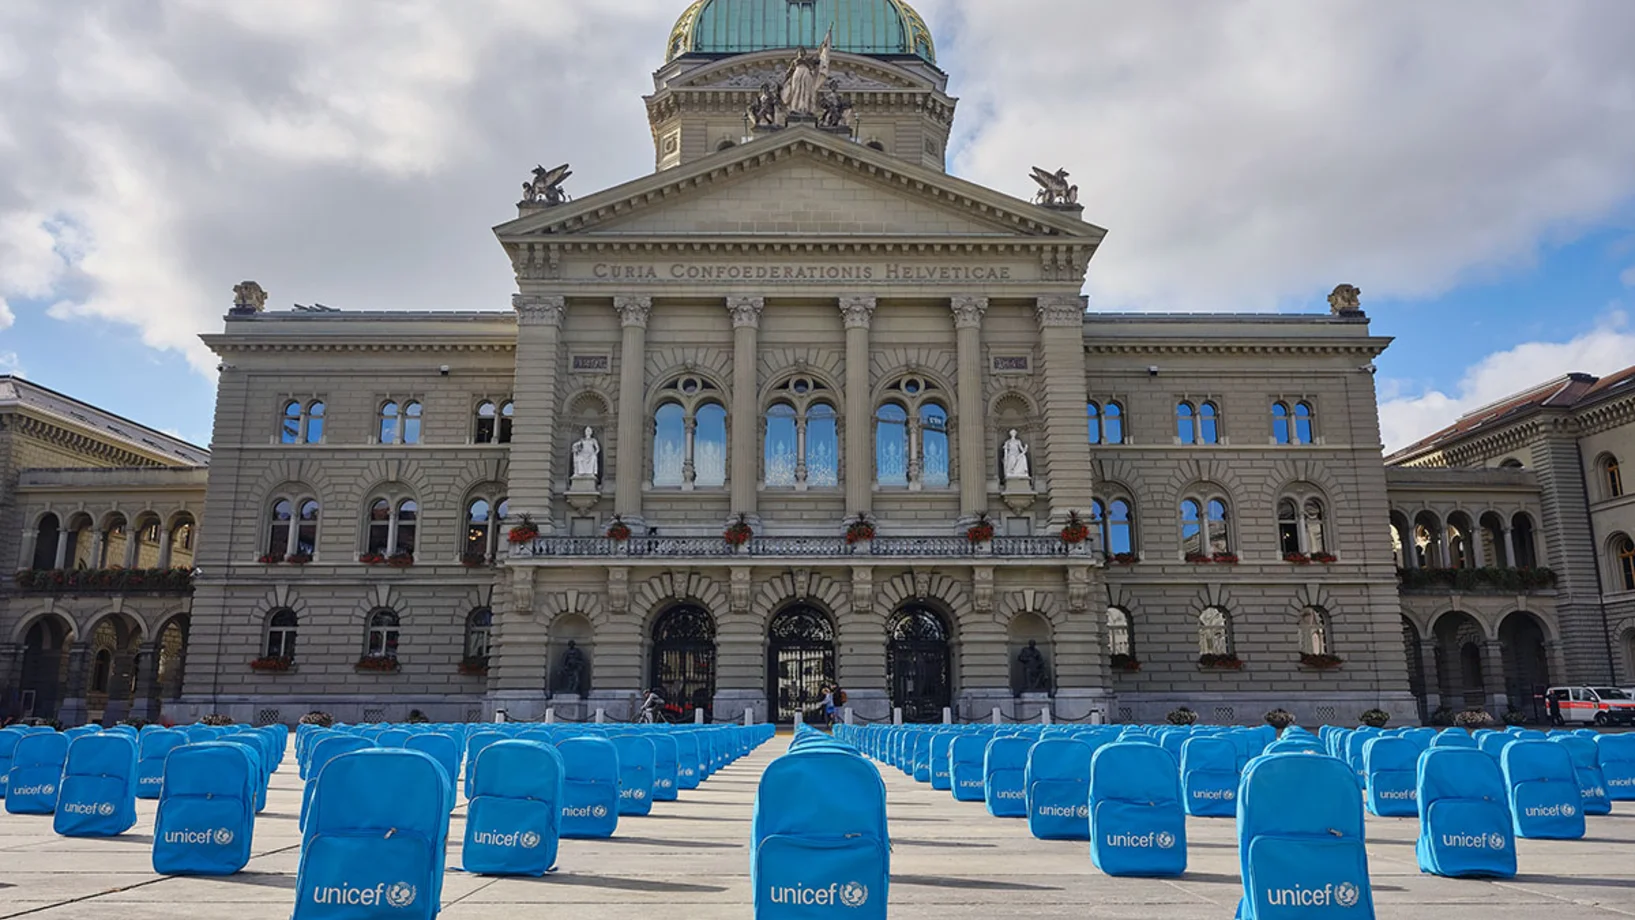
78,442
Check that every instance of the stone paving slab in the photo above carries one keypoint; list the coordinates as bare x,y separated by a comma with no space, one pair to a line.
950,861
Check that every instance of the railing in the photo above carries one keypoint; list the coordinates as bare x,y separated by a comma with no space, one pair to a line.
642,547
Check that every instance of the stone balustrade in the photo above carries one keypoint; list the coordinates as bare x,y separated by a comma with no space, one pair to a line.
649,547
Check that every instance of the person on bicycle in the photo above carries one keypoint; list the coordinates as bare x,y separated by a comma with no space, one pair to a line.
651,706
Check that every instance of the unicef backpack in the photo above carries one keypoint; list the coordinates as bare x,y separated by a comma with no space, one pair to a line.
1137,824
1545,799
820,855
97,795
151,750
1300,840
1465,828
36,769
514,822
1058,789
206,818
636,760
1209,777
590,788
666,754
8,744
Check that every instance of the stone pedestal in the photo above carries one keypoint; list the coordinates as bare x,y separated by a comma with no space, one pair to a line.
1018,495
583,494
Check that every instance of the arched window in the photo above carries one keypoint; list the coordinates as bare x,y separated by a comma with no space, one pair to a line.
493,422
302,424
289,431
1625,549
1214,632
278,529
411,423
1316,528
690,435
400,424
1186,422
911,436
1118,632
1521,536
391,527
801,446
46,536
1293,426
1093,415
1612,477
1303,423
281,629
479,623
390,422
1288,526
1314,632
1205,525
1197,423
315,422
381,641
1112,424
292,529
115,538
1511,463
483,521
1302,521
102,671
1282,431
1115,522
1209,424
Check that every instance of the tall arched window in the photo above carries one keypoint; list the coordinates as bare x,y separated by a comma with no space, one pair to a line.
1115,521
1282,431
483,521
400,424
1522,538
381,641
1197,423
411,423
802,447
1112,423
1293,425
1288,526
1314,632
281,630
1092,413
1214,632
46,536
1612,477
911,436
479,623
1186,422
391,526
1302,525
302,424
1208,424
289,431
292,529
315,422
487,423
1118,632
1205,525
690,435
1303,423
102,670
1625,550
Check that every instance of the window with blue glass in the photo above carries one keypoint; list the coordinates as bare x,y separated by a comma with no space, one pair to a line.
1106,422
1197,423
690,435
911,441
801,445
1293,423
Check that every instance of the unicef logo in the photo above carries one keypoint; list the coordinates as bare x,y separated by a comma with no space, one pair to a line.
401,894
638,793
1495,840
528,840
1164,839
1347,894
599,811
1229,794
105,809
854,894
48,789
1568,810
223,836
1084,811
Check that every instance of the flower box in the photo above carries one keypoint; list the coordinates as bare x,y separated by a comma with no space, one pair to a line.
372,558
859,532
1200,558
1182,716
980,532
525,531
376,663
1075,531
474,667
1126,664
275,665
400,560
1227,662
1297,558
738,533
1124,559
473,560
298,558
1320,662
618,531
270,559
1324,558
1225,558
1279,719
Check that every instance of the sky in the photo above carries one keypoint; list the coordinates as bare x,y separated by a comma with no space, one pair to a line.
1469,164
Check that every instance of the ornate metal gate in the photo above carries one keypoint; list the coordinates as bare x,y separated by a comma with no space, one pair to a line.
917,664
800,660
683,664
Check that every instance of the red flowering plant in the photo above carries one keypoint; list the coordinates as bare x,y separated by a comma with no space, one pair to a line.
1225,558
372,558
618,531
981,531
1200,558
1124,559
401,559
1324,558
524,531
738,532
270,559
1297,558
1220,662
274,663
1075,530
1320,662
859,530
376,663
298,558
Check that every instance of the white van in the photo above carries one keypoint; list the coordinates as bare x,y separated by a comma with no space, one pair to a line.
1590,706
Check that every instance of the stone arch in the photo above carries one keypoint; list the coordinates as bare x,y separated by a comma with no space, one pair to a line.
74,631
1460,640
280,473
377,596
934,365
1287,473
407,473
666,589
1525,638
1310,595
928,587
797,363
1191,473
1030,600
712,364
1433,622
134,618
798,587
1030,629
281,596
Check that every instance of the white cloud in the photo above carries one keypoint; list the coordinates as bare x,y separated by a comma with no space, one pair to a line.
7,318
9,363
1609,347
1628,276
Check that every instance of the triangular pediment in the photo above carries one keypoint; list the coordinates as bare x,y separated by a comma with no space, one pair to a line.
802,183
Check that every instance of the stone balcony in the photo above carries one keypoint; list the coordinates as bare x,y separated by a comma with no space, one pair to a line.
546,548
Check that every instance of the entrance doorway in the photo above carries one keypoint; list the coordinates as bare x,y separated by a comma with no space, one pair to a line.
683,663
917,663
800,660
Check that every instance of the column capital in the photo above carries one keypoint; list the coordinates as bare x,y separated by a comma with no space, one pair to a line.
1067,310
538,309
746,311
968,311
633,310
858,311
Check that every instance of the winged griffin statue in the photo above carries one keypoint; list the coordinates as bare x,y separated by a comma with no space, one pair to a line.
546,188
1054,190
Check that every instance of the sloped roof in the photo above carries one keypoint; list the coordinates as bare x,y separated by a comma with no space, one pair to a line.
1567,392
17,393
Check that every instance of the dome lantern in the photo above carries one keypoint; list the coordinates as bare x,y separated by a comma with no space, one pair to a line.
884,28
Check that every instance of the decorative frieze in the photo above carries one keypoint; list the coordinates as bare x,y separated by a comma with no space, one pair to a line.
538,309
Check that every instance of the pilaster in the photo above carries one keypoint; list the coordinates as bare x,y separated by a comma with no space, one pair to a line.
627,497
973,464
1067,447
539,329
858,313
745,419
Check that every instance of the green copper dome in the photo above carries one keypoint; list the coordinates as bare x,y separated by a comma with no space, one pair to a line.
879,27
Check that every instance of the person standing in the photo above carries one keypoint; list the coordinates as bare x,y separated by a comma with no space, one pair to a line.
828,705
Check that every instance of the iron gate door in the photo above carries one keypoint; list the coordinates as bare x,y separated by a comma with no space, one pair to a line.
683,667
917,665
800,662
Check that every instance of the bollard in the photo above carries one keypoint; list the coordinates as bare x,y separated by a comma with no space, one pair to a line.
698,717
550,716
800,719
1098,717
501,715
847,715
996,716
1044,716
601,715
897,715
948,715
749,716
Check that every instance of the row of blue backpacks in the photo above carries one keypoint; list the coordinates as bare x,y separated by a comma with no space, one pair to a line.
1298,796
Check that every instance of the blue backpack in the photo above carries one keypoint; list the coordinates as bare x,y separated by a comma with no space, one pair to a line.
1004,776
1209,777
922,756
1300,839
36,769
941,778
375,839
816,855
514,822
1392,768
1545,801
475,742
666,754
590,788
689,761
1058,789
966,756
1137,824
1453,737
635,774
1592,784
1465,828
8,745
443,749
1617,756
206,818
323,752
97,794
151,750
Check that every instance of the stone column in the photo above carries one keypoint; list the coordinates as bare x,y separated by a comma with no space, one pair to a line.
627,497
11,677
973,460
533,437
860,650
857,313
1493,678
745,419
1509,549
72,710
145,692
26,557
1433,680
164,546
62,548
1067,446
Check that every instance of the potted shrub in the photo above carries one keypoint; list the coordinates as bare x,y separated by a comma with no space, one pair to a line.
1374,718
372,558
216,718
1324,558
298,558
1123,559
380,663
1075,531
859,530
271,663
416,717
1472,719
618,531
1123,662
474,667
1216,662
1279,719
1225,558
524,531
320,719
1322,662
1514,716
473,560
400,560
1297,558
1443,716
1182,716
738,533
980,533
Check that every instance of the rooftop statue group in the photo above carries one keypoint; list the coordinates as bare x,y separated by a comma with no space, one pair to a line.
806,91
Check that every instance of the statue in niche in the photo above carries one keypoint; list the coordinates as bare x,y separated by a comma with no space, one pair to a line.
1032,661
1015,458
587,456
807,74
571,675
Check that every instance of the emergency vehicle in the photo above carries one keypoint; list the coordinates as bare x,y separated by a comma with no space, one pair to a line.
1590,706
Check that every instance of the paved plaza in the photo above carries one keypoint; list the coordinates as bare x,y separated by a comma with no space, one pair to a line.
950,860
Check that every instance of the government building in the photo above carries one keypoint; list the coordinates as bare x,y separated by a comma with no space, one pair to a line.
797,409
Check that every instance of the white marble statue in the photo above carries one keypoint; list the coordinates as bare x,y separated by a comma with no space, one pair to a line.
803,82
1016,460
587,455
